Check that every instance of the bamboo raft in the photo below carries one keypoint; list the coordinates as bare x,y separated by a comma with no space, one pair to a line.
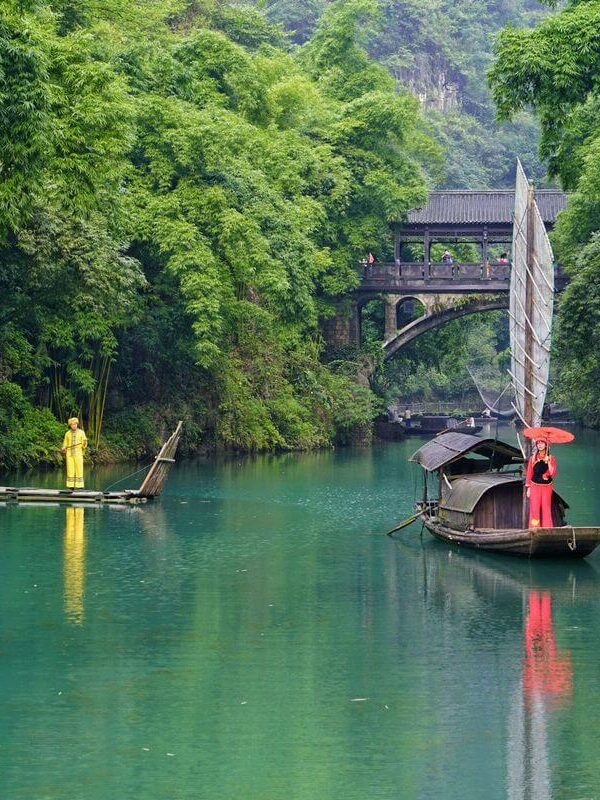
151,486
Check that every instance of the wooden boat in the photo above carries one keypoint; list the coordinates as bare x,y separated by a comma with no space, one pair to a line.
151,486
432,424
479,500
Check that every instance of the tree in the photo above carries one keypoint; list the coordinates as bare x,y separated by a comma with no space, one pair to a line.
554,69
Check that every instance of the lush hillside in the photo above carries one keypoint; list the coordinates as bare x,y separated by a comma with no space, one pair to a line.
186,190
181,198
554,69
441,50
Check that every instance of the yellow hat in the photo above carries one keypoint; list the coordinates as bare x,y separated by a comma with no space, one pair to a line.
73,420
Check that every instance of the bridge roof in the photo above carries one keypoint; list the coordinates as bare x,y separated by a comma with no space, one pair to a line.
481,207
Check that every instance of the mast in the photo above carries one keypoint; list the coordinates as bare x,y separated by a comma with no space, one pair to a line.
530,309
528,411
531,305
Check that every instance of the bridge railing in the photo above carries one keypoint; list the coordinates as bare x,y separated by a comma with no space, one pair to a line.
470,401
403,272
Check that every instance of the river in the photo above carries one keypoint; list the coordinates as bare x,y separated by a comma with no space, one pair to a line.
253,635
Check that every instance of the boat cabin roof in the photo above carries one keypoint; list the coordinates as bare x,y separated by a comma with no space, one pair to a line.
452,446
468,490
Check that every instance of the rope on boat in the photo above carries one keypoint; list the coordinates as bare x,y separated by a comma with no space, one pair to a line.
137,472
572,543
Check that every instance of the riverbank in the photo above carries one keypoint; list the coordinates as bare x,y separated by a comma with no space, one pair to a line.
31,437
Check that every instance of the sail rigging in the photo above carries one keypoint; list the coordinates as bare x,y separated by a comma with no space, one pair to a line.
498,402
531,304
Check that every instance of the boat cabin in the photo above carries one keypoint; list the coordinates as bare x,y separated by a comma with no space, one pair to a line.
480,482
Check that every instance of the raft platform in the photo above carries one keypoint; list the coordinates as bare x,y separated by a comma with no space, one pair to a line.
151,486
10,494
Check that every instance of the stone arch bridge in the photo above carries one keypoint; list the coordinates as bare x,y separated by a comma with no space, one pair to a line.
449,289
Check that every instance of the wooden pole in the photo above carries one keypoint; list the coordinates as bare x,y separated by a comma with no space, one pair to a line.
529,310
484,253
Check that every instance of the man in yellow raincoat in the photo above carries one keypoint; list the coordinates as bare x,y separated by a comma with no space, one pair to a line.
74,444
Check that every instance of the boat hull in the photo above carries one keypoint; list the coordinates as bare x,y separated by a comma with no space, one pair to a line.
565,542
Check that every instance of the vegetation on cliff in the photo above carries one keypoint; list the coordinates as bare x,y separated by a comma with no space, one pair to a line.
441,50
554,69
180,200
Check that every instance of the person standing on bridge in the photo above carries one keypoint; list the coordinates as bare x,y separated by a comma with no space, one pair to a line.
74,443
447,259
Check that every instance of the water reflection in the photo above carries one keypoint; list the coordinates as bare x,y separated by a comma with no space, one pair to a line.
547,681
506,610
238,622
74,563
547,670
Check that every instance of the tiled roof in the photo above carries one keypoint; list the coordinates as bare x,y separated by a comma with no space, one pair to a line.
470,206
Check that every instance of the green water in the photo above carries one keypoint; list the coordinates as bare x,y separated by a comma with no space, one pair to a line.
252,635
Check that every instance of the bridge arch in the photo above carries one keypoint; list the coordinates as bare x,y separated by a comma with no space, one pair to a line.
408,308
375,306
439,317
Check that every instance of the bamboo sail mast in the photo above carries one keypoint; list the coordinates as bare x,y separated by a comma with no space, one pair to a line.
531,305
531,308
158,472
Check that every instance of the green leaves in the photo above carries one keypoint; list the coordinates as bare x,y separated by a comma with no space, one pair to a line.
552,68
25,119
555,69
196,198
578,334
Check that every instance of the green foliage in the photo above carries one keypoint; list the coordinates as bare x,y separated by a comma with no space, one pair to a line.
298,16
554,69
434,366
25,103
196,199
65,283
28,435
440,50
578,337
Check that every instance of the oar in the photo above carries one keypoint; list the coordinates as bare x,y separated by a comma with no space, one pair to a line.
404,523
70,447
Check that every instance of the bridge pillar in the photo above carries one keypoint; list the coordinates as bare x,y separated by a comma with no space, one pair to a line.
354,325
343,329
390,317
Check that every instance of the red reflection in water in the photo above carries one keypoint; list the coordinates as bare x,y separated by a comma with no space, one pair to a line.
547,670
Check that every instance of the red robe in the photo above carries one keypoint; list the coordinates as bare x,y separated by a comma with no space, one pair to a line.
540,494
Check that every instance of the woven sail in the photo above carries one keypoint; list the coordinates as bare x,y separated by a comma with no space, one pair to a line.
531,305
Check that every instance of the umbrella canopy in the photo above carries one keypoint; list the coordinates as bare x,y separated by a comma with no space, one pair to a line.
549,434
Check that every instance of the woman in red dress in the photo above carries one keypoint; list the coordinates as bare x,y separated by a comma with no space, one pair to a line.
541,470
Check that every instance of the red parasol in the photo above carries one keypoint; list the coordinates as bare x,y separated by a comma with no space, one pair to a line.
548,434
